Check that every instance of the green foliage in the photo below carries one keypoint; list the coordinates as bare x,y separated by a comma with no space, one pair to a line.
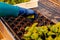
49,38
35,32
34,36
14,1
50,33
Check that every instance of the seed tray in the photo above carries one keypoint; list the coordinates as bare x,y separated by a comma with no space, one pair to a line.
17,25
45,14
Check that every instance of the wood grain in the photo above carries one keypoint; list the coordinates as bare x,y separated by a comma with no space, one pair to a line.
6,34
57,2
50,10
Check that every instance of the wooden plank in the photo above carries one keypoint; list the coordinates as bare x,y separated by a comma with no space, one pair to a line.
56,2
6,34
1,35
50,10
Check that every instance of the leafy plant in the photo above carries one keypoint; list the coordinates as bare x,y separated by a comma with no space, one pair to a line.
41,32
14,1
49,38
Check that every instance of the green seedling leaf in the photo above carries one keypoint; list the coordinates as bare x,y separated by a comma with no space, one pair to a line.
34,36
49,38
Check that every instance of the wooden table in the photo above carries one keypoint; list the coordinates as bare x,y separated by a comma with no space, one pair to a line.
56,2
6,34
49,9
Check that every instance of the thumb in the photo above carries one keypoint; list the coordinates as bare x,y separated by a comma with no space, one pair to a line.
29,11
26,11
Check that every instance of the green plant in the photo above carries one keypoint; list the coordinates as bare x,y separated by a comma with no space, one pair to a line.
37,33
49,38
14,1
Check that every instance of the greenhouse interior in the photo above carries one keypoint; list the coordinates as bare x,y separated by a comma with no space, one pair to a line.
29,19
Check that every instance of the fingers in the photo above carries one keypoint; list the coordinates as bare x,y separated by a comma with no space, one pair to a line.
26,11
29,11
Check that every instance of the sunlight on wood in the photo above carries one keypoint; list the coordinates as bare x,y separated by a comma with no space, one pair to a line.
6,35
56,2
1,35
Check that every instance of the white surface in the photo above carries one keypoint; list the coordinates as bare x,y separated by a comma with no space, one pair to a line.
30,4
34,0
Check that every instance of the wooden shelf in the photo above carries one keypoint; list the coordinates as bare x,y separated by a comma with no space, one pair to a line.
6,34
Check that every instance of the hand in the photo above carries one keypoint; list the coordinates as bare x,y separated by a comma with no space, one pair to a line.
24,11
10,10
